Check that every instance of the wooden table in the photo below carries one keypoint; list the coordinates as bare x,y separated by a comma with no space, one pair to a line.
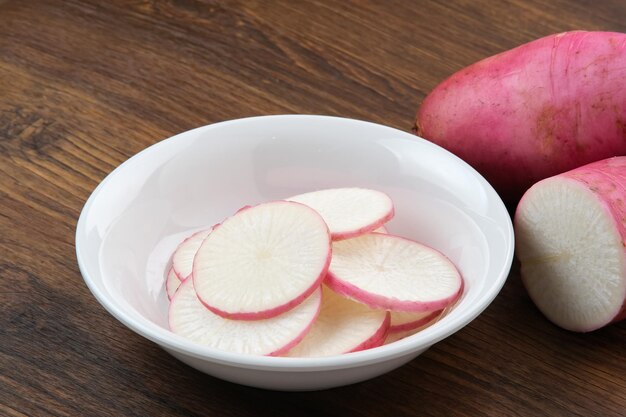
86,84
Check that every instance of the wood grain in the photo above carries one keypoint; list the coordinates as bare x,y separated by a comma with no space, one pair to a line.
86,84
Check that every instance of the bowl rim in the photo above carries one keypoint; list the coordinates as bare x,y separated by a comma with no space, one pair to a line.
411,345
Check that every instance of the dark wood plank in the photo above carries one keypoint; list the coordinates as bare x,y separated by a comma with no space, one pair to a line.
86,84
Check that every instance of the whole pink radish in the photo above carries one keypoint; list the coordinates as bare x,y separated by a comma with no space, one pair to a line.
571,243
532,112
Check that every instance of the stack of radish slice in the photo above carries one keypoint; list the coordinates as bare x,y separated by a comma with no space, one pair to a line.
313,275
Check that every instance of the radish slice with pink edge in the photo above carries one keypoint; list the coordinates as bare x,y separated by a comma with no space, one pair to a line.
394,273
407,320
395,336
342,326
262,261
349,212
274,336
171,283
399,335
182,259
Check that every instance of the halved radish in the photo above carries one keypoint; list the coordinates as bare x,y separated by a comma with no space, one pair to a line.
171,283
342,326
407,320
394,273
182,259
273,336
349,212
571,243
262,261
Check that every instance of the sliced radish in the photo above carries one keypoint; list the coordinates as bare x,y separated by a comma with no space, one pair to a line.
171,283
182,260
262,261
273,336
343,326
571,243
395,336
399,335
407,320
349,212
390,272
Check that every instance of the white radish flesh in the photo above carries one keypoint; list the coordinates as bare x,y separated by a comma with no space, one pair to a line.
342,326
171,283
273,336
405,320
262,261
349,212
393,273
571,243
182,259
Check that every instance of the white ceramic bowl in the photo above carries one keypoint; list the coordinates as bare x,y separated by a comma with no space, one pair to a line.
138,214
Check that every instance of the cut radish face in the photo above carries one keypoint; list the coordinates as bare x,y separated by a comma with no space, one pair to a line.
406,320
273,336
182,260
393,273
571,243
262,261
342,326
349,212
171,283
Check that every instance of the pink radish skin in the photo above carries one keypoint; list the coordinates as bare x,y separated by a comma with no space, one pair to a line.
571,243
377,301
243,208
272,312
282,351
377,339
395,336
349,212
234,258
363,230
399,335
532,112
182,259
272,337
171,283
343,326
420,321
365,250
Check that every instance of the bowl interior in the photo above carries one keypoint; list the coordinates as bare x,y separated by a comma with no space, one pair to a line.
141,211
